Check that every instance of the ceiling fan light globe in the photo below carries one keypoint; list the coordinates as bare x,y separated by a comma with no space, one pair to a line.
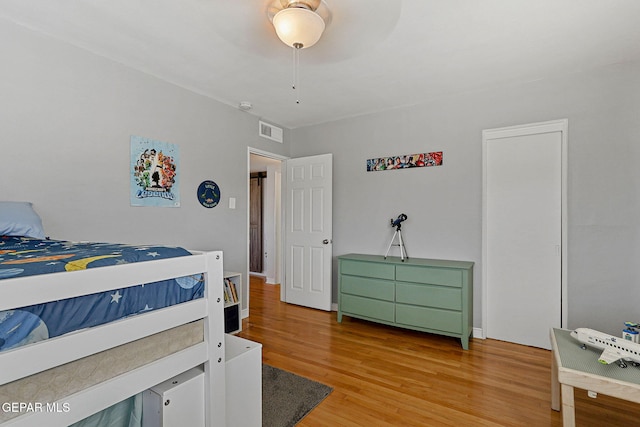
298,26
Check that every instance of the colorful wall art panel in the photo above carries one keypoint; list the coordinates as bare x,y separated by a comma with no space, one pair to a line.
154,173
405,162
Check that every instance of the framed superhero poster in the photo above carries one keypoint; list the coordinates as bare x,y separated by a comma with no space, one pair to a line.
154,173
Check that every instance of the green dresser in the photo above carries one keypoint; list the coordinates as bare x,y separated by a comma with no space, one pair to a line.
427,295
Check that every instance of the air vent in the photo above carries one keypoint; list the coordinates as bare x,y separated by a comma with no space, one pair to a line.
271,132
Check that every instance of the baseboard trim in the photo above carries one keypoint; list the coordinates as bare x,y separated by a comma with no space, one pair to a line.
478,333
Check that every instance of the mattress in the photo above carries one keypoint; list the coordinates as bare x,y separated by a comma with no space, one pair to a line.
57,383
22,256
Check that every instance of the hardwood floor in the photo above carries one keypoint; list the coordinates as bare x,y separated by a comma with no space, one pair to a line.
387,376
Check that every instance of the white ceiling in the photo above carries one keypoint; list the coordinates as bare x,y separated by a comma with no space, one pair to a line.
375,55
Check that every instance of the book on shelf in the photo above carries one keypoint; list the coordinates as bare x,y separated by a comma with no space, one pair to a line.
227,291
234,292
230,292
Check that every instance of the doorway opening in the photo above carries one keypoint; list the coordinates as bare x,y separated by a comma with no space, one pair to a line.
307,194
264,245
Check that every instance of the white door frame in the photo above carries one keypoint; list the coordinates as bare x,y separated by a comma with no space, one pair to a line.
512,131
250,151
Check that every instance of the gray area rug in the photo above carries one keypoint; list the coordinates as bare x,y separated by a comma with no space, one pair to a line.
287,397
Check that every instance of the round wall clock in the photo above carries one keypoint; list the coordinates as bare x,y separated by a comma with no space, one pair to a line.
208,194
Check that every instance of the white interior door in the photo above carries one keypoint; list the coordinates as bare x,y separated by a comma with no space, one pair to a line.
522,232
308,231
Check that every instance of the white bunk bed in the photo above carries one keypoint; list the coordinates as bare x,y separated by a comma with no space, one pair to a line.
115,360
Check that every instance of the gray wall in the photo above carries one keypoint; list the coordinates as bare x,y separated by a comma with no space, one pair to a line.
444,204
66,117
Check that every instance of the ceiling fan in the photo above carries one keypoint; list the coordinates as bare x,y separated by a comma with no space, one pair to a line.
335,31
351,27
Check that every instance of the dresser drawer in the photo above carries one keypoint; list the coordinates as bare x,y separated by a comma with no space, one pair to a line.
371,308
367,269
429,296
429,318
367,287
432,275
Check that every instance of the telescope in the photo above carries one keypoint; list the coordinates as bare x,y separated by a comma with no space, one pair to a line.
396,222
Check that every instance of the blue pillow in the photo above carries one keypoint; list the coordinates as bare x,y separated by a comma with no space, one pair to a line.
19,219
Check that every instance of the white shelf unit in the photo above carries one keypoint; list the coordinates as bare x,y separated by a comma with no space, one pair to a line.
232,308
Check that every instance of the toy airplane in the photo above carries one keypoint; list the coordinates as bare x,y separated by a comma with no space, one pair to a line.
615,349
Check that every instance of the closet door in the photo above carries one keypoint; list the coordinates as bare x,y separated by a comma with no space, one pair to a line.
522,233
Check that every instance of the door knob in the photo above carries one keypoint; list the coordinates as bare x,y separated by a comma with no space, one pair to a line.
325,241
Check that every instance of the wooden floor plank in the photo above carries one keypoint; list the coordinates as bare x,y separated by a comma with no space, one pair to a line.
385,376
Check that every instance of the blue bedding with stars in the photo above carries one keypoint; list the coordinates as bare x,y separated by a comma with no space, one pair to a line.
21,256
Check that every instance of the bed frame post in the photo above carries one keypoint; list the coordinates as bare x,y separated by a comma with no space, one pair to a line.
214,368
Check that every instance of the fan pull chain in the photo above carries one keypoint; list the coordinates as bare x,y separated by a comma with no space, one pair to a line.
296,66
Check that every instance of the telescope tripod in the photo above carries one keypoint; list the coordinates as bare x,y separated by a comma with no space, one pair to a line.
403,249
